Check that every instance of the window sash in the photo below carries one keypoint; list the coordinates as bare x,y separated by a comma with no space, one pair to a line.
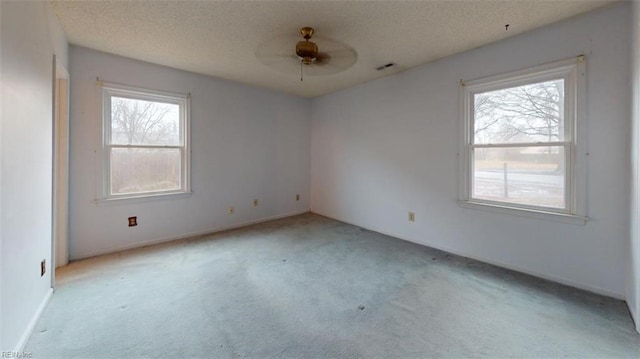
568,177
115,90
569,102
109,172
110,93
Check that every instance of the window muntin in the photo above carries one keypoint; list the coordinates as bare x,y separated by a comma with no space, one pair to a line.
145,143
520,140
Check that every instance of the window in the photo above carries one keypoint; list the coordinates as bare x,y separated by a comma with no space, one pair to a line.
146,143
521,140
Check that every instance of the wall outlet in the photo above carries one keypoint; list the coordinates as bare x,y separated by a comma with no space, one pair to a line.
133,221
297,197
412,217
43,267
232,210
255,202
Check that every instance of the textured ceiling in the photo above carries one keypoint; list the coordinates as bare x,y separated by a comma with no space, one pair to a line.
220,38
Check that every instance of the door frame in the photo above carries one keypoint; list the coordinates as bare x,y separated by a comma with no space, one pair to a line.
60,185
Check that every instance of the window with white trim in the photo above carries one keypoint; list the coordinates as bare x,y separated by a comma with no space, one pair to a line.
145,142
521,140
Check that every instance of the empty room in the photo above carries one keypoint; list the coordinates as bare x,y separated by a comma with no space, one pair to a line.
313,179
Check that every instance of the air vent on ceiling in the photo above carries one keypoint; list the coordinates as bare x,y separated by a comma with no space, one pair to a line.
386,66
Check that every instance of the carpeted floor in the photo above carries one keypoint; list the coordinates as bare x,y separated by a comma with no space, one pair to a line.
311,287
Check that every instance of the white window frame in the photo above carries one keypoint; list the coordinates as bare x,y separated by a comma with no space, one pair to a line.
573,72
111,89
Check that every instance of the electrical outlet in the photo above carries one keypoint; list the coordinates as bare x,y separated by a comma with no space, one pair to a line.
232,210
412,217
43,267
133,221
297,197
255,202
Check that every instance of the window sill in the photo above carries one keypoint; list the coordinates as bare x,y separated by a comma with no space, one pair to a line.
140,199
523,212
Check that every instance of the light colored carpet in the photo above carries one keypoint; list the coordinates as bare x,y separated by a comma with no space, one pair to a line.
311,287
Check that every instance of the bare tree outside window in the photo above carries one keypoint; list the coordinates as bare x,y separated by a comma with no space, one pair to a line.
530,113
140,122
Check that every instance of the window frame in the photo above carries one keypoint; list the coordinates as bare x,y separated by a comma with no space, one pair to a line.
109,90
573,142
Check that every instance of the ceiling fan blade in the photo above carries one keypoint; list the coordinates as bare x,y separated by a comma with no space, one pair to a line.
322,70
277,57
278,54
322,59
333,62
345,52
283,45
329,45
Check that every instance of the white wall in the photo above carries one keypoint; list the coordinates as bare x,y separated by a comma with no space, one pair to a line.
387,147
247,143
57,38
30,37
633,273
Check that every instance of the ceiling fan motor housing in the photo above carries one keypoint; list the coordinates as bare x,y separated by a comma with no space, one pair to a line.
307,51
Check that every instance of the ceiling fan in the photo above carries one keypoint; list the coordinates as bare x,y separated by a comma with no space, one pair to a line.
321,56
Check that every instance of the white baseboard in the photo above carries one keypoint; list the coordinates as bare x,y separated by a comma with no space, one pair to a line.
186,235
458,252
33,322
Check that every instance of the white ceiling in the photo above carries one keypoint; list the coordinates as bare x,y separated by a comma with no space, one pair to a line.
220,38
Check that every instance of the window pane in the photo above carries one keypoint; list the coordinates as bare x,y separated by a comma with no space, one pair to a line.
137,170
140,122
529,113
523,175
